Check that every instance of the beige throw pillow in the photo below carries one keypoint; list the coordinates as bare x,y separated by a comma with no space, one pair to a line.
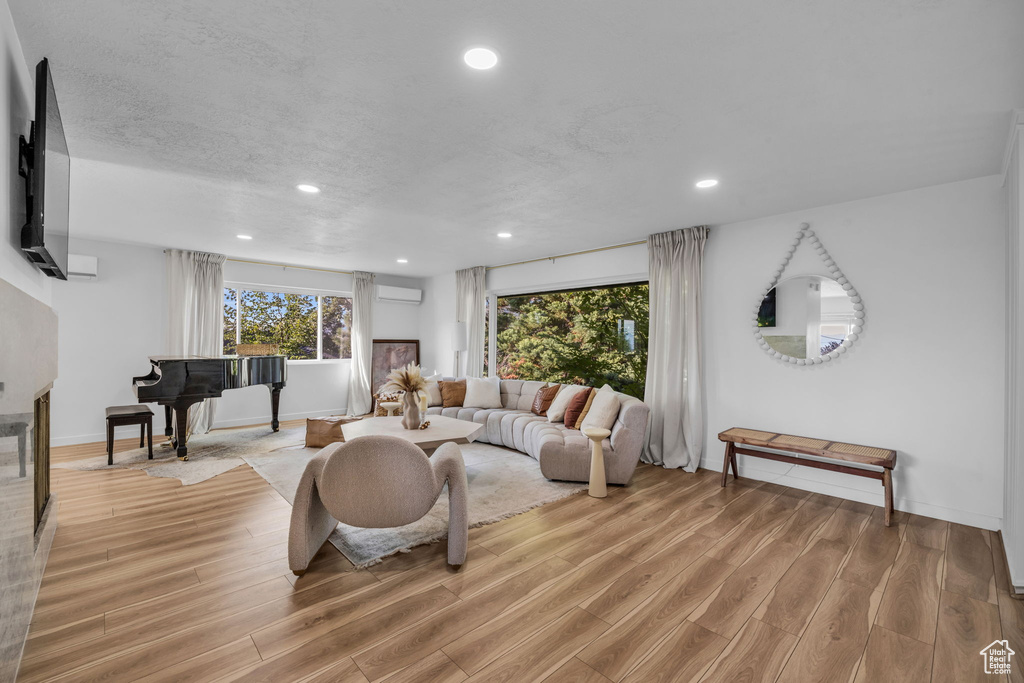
434,391
603,410
556,411
482,392
586,410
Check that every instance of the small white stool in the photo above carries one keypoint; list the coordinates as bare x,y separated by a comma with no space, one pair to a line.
390,406
598,485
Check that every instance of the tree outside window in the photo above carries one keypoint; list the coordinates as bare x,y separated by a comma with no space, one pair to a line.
304,326
586,336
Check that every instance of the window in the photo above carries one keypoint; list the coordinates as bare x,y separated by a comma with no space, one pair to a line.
305,326
590,336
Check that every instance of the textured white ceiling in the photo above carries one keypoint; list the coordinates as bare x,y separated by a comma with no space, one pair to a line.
591,131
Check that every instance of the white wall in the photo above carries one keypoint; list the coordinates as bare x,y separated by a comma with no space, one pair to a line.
438,316
16,90
111,325
925,378
1013,517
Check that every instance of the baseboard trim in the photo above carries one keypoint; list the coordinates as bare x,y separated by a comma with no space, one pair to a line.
220,424
861,496
1016,592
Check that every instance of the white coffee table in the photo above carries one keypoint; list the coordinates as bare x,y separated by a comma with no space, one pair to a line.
441,430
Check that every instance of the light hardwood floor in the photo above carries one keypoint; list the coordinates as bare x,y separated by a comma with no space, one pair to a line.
669,579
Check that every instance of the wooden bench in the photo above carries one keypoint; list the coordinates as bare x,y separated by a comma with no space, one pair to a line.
751,441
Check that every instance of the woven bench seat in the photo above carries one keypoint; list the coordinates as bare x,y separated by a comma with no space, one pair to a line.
743,441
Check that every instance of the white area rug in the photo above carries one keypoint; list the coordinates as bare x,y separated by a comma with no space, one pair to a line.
502,483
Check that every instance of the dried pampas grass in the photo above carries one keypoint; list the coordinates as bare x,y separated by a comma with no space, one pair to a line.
408,379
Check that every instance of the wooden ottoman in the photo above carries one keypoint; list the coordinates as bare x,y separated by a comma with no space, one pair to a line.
323,431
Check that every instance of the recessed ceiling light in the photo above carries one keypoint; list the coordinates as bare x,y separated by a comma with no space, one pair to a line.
244,237
311,189
403,260
504,235
480,58
704,184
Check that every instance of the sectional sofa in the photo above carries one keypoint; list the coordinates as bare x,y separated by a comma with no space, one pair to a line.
563,453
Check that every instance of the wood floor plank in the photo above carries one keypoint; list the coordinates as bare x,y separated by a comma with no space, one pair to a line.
469,580
636,585
740,543
910,603
968,568
406,648
436,668
41,643
209,666
1011,622
926,531
833,643
683,656
735,512
622,647
546,652
966,626
894,658
728,608
605,538
873,555
358,634
575,671
806,520
344,671
482,645
756,655
845,525
194,631
678,523
791,603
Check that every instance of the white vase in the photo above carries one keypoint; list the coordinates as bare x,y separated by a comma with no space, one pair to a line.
411,408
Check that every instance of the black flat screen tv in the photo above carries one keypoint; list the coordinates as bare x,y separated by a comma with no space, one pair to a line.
46,166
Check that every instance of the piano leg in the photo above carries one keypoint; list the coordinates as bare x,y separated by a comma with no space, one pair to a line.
275,402
181,431
168,423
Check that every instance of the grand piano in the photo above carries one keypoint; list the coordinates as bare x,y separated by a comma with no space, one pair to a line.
178,382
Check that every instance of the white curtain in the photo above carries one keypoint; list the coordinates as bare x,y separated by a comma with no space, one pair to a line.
470,302
195,288
360,400
675,391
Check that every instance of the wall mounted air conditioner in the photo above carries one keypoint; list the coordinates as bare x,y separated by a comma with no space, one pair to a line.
83,267
399,295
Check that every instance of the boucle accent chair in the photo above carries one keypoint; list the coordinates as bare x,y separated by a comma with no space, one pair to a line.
376,482
563,453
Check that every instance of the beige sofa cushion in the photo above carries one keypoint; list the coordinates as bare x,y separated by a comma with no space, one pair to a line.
434,391
556,411
603,410
482,392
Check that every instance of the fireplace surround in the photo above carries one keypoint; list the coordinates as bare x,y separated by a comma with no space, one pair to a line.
28,368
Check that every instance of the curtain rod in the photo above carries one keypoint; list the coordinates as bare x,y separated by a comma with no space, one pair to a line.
575,253
283,265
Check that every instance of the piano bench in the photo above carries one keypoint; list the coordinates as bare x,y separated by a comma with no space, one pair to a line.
121,416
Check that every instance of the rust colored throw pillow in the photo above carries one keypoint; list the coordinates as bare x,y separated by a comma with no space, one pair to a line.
453,393
575,407
542,401
586,409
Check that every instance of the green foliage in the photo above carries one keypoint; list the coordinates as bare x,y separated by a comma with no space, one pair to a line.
576,337
289,320
337,321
